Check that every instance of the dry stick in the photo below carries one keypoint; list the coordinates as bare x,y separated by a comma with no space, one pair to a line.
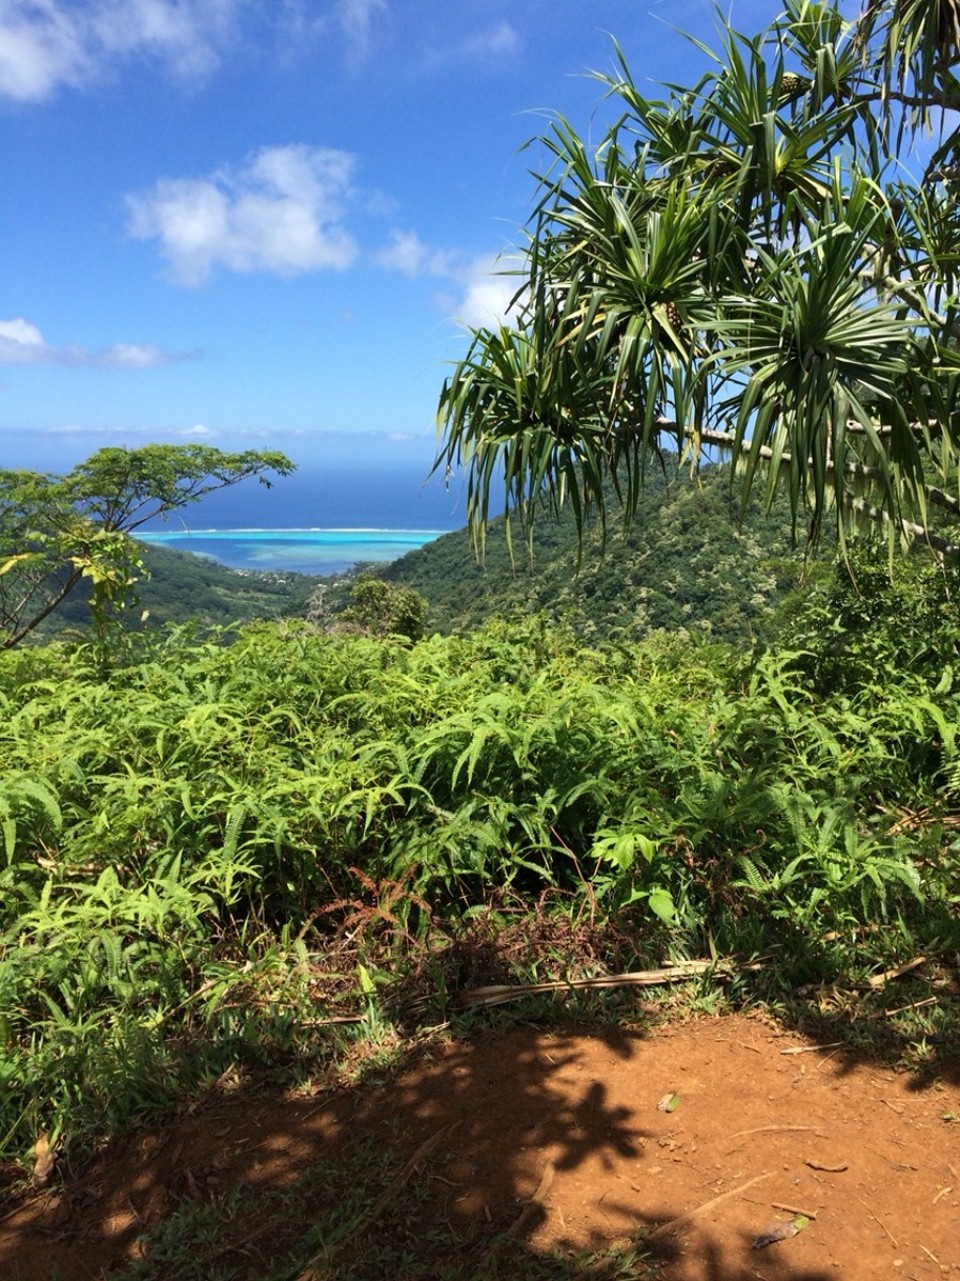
38,1195
314,1111
520,1222
231,1246
930,1000
682,1219
812,1049
496,994
876,1220
310,1272
879,980
793,1209
336,1018
778,1129
499,993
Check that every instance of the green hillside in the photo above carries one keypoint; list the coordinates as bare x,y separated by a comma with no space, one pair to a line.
685,562
182,588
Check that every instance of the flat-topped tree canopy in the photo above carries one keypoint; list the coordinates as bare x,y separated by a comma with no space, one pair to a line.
55,530
752,265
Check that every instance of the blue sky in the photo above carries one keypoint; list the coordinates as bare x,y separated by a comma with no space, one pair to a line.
263,223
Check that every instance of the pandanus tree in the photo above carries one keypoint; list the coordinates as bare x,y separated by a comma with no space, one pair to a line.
762,265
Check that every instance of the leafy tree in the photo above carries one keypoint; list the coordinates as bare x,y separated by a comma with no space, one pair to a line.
378,608
749,264
56,530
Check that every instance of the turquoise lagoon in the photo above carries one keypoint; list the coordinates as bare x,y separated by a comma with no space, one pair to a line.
304,551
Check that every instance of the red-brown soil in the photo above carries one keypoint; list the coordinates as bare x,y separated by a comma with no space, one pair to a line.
532,1139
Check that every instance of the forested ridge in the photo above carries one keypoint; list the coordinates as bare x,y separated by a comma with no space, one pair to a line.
177,587
686,560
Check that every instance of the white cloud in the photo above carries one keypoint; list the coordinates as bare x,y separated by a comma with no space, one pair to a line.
20,342
407,254
356,18
486,286
494,44
40,47
197,432
45,44
126,355
489,288
499,41
188,35
23,344
281,212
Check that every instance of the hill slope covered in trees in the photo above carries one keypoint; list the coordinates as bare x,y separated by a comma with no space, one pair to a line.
179,588
685,561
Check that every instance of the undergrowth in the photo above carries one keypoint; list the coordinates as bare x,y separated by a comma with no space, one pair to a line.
209,849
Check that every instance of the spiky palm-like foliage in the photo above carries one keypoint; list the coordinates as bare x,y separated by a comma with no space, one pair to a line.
739,265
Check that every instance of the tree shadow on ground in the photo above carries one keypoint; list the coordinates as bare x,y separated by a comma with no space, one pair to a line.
524,1154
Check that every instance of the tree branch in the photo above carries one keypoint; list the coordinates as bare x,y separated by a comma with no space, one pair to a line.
17,636
917,533
940,98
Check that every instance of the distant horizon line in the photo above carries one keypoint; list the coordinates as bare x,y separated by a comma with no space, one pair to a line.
151,534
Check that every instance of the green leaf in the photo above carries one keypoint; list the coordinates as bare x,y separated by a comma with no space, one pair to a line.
662,905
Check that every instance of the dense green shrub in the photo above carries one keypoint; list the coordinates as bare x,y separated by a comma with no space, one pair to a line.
175,828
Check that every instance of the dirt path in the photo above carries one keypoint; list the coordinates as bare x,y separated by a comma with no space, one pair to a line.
521,1153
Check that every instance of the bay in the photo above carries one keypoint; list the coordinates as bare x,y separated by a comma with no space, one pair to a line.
305,551
321,520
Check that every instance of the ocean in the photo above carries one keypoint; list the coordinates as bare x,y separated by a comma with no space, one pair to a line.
318,521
